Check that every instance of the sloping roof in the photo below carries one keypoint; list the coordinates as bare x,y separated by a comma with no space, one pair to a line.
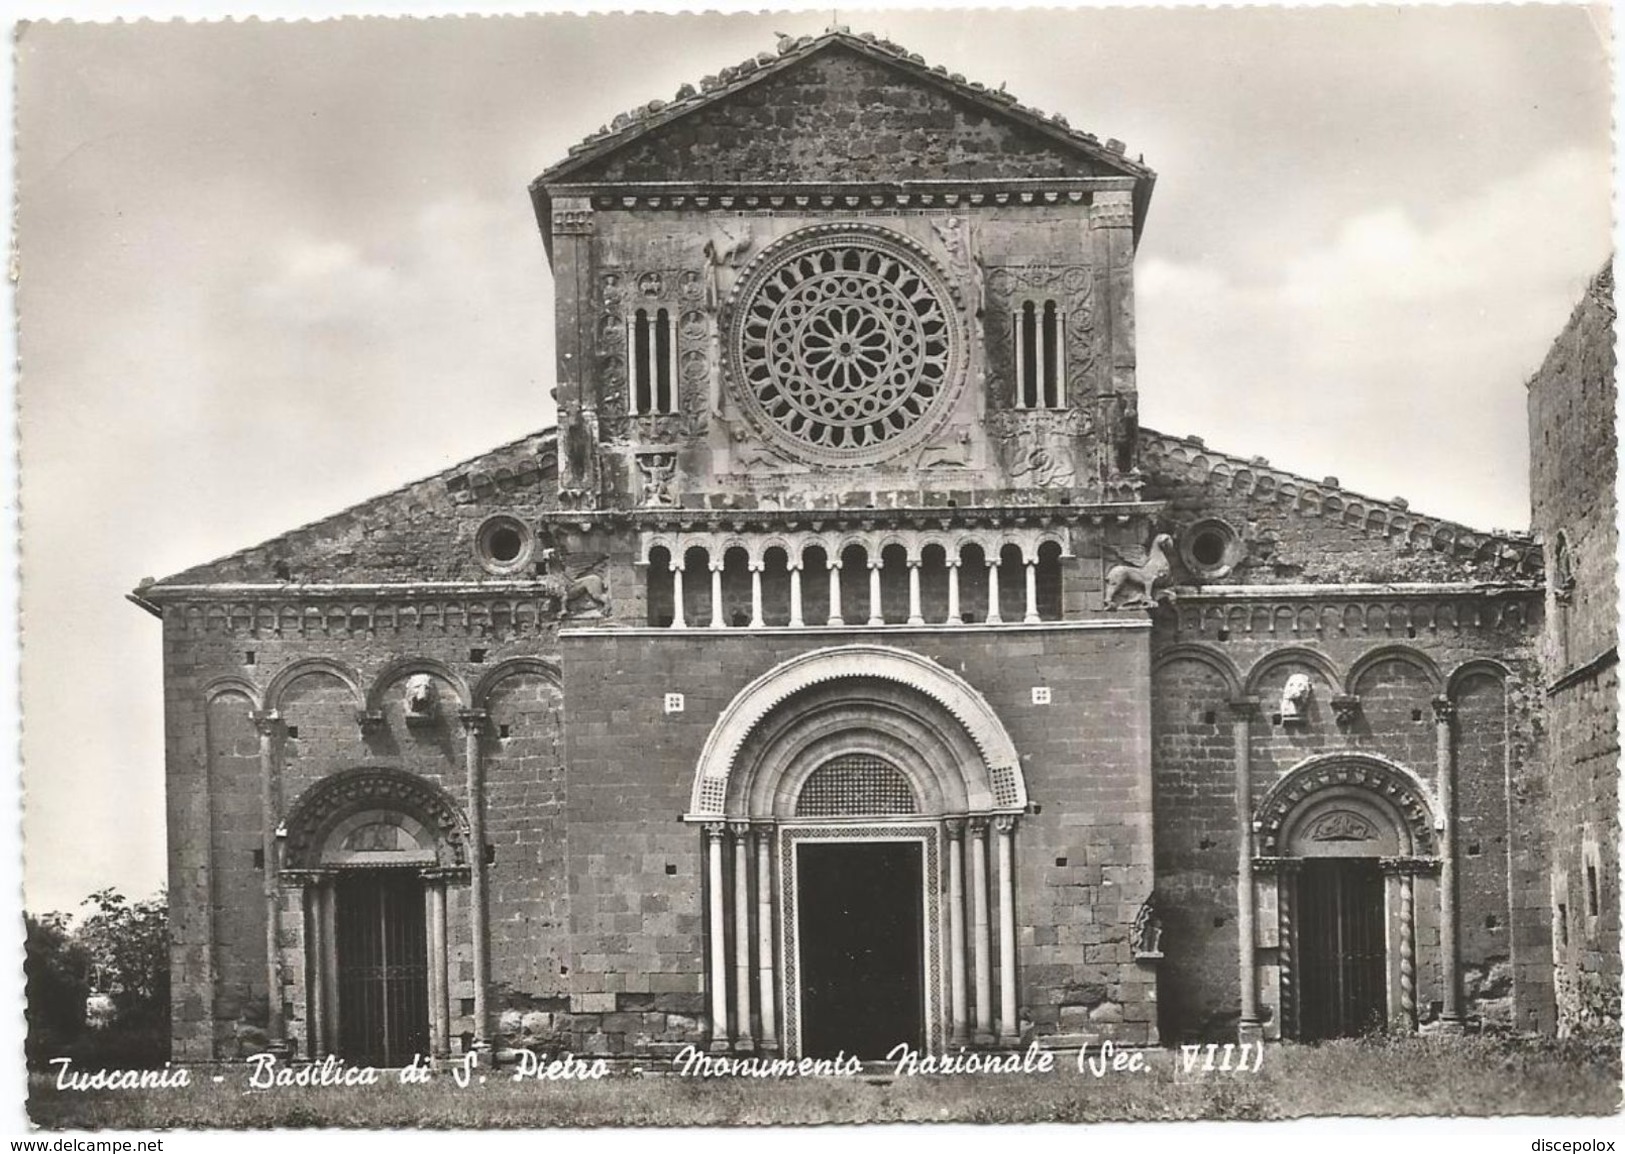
393,536
651,118
1445,550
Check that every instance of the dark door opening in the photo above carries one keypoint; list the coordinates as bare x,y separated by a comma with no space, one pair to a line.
862,977
383,968
1343,955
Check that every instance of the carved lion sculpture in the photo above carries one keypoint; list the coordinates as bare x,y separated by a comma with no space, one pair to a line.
1144,575
420,698
564,589
1295,697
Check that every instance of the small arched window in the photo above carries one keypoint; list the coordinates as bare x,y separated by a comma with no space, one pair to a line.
1040,331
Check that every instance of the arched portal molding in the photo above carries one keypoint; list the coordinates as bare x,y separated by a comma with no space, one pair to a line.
996,764
421,808
1369,786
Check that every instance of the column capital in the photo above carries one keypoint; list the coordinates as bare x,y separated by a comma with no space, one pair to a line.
1444,710
714,830
915,562
675,564
954,562
1005,823
1244,708
1408,866
739,830
796,565
474,720
955,827
978,826
831,561
874,562
267,721
992,560
715,565
756,565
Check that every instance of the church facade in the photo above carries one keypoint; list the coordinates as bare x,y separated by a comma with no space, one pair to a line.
848,668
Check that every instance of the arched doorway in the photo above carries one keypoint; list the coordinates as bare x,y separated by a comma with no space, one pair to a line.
860,806
1345,837
373,853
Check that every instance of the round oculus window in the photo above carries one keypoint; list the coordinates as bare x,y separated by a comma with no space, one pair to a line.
846,345
504,544
1210,549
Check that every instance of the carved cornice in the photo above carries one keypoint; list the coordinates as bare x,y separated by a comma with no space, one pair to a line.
991,515
1515,556
494,609
1343,610
846,199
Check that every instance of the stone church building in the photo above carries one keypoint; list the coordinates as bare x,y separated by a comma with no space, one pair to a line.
849,668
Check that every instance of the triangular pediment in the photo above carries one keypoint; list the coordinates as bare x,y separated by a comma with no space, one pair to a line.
838,109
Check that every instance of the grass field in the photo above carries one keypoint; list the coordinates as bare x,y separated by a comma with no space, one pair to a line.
1472,1076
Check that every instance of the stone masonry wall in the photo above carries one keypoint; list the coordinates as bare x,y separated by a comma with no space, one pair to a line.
1083,856
1573,468
1499,846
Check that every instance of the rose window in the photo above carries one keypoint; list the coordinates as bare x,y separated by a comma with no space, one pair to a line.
846,348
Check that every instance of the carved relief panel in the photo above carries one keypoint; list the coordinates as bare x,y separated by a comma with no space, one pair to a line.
652,345
1010,287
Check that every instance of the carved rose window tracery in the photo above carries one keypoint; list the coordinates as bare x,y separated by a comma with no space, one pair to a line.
846,346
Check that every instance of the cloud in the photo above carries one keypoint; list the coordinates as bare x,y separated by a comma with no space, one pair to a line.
1327,350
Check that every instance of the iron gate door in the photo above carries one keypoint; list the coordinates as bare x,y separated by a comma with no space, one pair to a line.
1343,955
383,968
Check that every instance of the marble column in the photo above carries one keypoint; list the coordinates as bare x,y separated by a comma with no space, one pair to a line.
1009,1022
677,621
954,617
915,617
993,615
795,596
744,1040
1031,567
717,620
876,614
764,937
756,621
834,566
717,929
982,963
959,1016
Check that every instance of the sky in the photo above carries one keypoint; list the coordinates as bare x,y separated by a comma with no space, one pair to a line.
266,271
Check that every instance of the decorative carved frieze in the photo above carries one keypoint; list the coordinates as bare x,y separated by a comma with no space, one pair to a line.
1387,612
345,613
1008,286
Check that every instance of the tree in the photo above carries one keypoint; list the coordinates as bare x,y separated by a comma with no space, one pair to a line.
56,971
127,944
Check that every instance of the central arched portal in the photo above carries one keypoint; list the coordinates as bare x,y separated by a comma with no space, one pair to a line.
859,805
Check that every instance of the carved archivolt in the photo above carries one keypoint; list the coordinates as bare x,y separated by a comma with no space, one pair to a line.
331,802
1363,776
759,699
